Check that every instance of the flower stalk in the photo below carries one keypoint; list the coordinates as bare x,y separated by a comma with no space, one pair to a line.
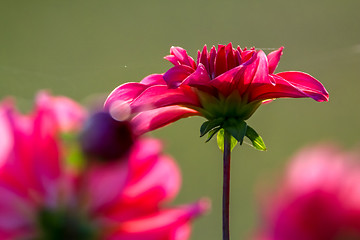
226,185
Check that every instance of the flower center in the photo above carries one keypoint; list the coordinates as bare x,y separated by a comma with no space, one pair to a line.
64,224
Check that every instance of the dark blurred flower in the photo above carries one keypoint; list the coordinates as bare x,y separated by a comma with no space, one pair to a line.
223,84
41,198
317,200
105,138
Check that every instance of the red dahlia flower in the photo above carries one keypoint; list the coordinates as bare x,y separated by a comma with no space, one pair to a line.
318,198
41,198
225,86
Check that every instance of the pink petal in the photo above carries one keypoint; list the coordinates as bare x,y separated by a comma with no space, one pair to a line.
200,78
204,59
282,89
143,156
174,60
246,55
161,225
16,212
182,57
176,75
307,84
230,57
69,115
255,74
153,79
6,139
153,119
126,92
160,183
220,64
100,183
35,160
212,57
161,96
228,81
274,58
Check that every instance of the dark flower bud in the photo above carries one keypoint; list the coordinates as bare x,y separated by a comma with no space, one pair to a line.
105,138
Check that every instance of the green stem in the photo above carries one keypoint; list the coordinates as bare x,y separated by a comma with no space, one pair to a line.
226,185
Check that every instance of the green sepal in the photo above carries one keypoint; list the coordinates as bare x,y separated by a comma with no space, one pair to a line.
220,140
209,125
255,139
212,132
237,129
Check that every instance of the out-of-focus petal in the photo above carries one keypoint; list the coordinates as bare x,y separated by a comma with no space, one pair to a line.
6,139
15,211
160,183
156,118
274,58
104,185
162,225
69,114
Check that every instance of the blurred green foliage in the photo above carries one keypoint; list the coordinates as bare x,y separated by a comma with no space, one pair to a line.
84,49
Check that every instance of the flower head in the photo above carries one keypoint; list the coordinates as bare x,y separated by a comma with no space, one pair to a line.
42,198
225,85
318,198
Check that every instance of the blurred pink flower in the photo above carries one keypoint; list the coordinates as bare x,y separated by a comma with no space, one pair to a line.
319,198
223,83
43,199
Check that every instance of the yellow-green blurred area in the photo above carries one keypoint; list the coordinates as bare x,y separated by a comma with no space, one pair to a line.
84,49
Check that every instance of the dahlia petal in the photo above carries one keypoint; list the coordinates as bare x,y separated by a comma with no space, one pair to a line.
238,56
220,65
204,58
176,75
212,57
228,81
100,181
160,183
69,115
153,79
282,89
6,139
144,155
161,225
174,60
182,56
230,57
153,119
246,55
198,78
255,73
307,84
274,58
126,92
13,208
161,96
262,70
33,145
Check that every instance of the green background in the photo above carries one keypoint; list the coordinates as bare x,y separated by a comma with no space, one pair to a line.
84,49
